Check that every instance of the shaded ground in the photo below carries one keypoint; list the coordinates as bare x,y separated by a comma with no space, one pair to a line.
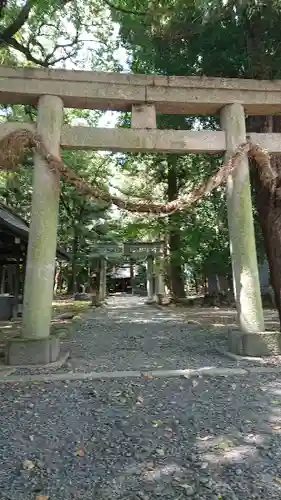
128,334
220,317
172,439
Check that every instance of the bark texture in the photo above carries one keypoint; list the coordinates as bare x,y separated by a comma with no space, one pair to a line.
268,205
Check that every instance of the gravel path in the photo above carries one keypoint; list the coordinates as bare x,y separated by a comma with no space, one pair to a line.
143,438
129,335
209,439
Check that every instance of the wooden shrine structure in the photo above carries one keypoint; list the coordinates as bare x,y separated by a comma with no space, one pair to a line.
144,96
14,233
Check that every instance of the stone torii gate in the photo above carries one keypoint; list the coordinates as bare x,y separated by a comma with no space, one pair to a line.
144,96
151,252
148,251
105,252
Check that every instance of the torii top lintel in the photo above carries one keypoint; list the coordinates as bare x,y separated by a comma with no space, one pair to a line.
119,91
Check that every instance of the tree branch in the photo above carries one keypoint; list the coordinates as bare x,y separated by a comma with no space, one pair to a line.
65,206
45,63
17,24
24,50
7,36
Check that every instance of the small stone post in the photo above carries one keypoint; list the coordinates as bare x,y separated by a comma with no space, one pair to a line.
36,345
241,227
149,279
3,279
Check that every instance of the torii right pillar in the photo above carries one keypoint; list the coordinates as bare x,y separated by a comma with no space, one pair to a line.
251,339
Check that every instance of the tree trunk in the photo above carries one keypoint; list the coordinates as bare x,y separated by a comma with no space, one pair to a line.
3,279
16,289
132,276
57,277
176,271
61,281
196,285
11,274
212,287
269,206
72,284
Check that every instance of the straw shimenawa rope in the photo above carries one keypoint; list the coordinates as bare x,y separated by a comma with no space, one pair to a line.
14,145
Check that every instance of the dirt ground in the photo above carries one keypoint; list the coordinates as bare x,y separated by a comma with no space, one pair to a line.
221,316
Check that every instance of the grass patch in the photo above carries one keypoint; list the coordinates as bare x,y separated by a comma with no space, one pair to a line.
70,306
60,326
63,326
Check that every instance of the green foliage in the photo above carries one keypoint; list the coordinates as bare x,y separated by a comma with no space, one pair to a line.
169,37
81,217
227,39
47,34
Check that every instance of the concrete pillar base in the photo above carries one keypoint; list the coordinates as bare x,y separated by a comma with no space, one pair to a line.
21,351
254,344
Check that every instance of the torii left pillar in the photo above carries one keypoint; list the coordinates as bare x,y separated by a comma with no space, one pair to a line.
36,346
